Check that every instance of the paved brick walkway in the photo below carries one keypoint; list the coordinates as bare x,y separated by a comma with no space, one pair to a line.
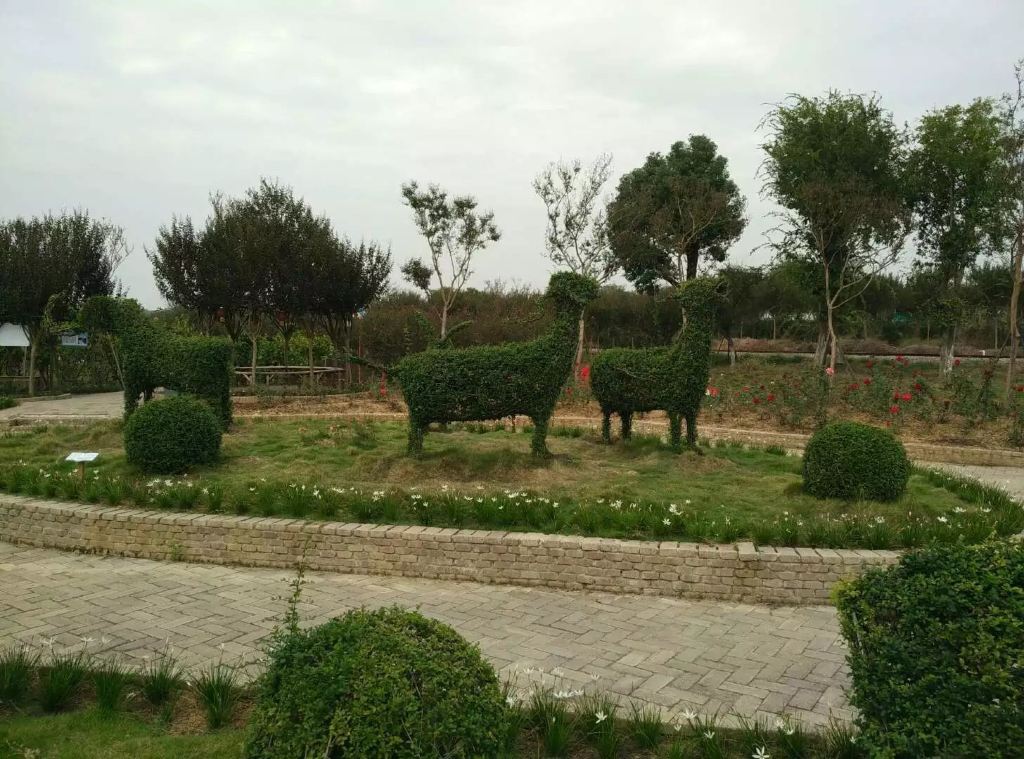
709,657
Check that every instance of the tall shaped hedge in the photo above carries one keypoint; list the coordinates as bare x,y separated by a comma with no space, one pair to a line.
936,652
497,381
673,379
153,357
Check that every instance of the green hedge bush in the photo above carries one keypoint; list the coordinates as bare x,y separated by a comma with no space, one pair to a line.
151,356
936,651
171,435
7,401
673,378
498,381
387,683
851,460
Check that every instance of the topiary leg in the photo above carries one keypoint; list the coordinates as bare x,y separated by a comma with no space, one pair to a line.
539,443
627,424
416,432
675,431
131,400
691,430
606,426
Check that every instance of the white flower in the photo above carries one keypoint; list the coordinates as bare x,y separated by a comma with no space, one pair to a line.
511,700
689,715
942,519
761,753
666,521
600,717
561,695
709,734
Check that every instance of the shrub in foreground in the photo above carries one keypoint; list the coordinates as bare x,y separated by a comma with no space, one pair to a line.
850,460
7,401
388,682
936,651
171,435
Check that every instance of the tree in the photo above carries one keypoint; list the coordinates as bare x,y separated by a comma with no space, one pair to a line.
673,211
959,195
784,294
1012,116
256,257
455,232
50,265
576,237
987,289
202,271
835,164
739,304
350,279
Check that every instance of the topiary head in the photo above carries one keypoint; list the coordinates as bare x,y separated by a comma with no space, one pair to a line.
571,292
701,296
104,313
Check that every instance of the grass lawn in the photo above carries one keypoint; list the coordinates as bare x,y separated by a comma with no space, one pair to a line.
89,735
476,476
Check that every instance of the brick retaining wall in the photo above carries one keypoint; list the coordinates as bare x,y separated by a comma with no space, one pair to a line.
739,572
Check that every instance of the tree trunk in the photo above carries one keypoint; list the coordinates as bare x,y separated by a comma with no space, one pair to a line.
1014,311
33,345
117,361
252,366
691,264
774,331
819,349
579,346
833,353
444,320
312,376
348,352
732,349
946,350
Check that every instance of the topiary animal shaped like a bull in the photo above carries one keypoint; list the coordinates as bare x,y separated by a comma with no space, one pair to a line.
497,381
673,378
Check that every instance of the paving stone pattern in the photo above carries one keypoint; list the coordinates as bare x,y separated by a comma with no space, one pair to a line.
728,658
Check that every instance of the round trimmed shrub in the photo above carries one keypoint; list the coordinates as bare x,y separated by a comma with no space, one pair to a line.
936,652
850,460
388,683
171,435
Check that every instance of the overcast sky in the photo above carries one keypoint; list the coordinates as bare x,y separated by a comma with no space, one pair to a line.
137,110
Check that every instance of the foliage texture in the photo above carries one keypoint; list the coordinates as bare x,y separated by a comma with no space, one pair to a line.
936,650
171,435
674,210
673,378
494,382
852,460
152,357
384,683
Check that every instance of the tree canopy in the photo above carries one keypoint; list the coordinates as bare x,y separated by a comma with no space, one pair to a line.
836,165
455,232
673,211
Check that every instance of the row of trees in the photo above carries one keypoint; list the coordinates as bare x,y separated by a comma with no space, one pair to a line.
267,262
853,186
48,266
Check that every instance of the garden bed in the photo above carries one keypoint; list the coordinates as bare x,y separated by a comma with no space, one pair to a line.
483,477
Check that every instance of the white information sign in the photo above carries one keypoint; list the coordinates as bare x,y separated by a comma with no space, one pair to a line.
81,457
13,336
74,339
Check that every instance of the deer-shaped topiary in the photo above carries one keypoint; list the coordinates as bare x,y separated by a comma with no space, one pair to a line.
151,356
497,381
673,378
